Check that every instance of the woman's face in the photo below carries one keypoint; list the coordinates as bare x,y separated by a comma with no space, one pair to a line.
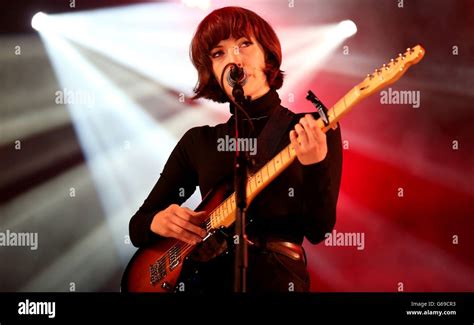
247,53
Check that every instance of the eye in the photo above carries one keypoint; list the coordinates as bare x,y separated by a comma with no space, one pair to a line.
216,54
246,44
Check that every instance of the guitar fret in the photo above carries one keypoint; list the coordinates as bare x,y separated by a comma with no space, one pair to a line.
271,167
290,152
282,156
224,208
259,178
213,220
265,175
277,161
252,184
285,155
229,203
219,213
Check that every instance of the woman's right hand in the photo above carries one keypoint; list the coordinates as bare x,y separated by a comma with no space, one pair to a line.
181,223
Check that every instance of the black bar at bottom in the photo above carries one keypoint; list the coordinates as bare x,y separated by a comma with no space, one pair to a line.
444,308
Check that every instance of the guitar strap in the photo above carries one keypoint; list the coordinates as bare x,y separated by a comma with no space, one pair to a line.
271,136
267,144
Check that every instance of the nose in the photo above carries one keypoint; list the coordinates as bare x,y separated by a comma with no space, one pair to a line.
234,56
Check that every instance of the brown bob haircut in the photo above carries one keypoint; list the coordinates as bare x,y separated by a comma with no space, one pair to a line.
222,24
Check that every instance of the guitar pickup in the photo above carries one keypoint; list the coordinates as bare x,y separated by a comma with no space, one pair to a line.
157,271
175,259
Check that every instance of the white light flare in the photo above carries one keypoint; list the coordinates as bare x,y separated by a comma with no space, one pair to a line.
347,28
39,21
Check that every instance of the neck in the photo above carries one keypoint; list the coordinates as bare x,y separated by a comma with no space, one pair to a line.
262,91
261,106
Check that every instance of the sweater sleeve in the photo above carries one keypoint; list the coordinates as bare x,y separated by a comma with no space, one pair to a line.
176,184
321,190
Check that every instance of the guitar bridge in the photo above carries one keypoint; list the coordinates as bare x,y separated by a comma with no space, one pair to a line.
157,271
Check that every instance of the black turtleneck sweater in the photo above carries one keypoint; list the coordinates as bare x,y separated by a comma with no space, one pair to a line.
300,202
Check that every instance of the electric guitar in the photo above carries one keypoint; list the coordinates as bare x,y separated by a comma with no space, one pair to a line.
157,267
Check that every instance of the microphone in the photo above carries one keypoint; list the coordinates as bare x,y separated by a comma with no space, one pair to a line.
236,76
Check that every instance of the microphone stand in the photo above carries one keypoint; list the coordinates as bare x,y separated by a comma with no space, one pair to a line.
240,185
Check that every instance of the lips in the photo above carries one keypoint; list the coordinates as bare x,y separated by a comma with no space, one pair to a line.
244,80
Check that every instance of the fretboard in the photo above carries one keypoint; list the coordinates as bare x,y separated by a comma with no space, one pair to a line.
224,214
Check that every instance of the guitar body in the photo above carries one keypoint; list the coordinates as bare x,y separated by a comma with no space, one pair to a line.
152,268
157,268
137,275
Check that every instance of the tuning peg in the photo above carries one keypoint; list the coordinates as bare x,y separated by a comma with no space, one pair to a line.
377,71
370,76
385,66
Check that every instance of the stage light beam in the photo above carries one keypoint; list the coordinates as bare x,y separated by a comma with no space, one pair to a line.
347,28
39,20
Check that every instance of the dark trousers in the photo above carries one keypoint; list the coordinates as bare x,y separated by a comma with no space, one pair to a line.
267,272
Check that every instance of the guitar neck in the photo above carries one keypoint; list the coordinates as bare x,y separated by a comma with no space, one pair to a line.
224,214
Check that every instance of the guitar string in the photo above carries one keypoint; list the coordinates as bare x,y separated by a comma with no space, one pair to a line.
182,251
207,222
175,248
178,250
334,114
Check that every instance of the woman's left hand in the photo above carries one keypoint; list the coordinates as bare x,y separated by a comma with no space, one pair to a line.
309,141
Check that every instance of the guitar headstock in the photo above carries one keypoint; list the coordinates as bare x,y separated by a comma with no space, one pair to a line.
391,71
